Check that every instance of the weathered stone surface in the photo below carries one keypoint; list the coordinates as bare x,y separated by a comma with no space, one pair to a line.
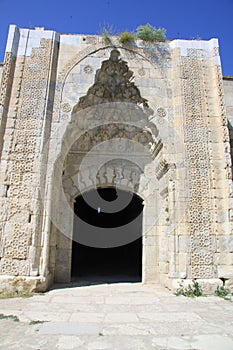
22,284
134,322
69,328
209,286
229,284
225,271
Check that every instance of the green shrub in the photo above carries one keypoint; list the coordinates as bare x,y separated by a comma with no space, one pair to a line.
9,317
32,323
107,32
126,38
190,291
222,292
106,37
149,33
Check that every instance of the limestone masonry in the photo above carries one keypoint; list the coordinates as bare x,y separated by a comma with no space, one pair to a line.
153,120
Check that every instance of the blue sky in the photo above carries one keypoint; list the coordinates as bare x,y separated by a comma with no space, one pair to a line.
183,19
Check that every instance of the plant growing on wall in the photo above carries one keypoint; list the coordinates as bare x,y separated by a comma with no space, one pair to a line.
151,34
107,32
145,32
126,38
191,291
224,293
106,37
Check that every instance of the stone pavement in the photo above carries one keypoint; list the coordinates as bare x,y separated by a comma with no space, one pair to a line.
117,316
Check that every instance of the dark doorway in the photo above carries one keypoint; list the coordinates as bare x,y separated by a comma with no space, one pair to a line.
107,243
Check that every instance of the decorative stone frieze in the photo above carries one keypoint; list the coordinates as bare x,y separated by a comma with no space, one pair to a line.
113,83
198,165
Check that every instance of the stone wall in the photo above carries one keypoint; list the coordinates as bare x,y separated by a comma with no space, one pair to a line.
225,243
26,90
228,93
166,98
1,69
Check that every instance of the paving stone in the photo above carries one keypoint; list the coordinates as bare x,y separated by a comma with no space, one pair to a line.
69,328
200,342
69,342
121,318
87,317
169,316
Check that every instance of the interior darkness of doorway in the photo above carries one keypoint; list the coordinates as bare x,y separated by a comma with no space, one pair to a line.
109,265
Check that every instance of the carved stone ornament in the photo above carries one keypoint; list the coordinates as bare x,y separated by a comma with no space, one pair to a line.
88,69
161,112
113,83
66,107
141,72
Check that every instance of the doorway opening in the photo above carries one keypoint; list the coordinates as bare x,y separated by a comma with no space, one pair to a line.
107,240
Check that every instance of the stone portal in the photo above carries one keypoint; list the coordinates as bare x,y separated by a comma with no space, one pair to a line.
79,115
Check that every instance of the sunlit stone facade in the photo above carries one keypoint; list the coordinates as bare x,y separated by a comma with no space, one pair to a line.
78,113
